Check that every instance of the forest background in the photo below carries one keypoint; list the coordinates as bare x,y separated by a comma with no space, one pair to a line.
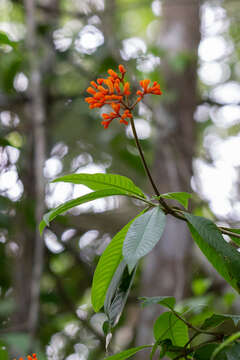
50,50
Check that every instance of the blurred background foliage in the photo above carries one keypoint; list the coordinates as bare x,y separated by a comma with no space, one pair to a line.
49,51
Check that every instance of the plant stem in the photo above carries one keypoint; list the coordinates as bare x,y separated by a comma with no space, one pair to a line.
191,350
191,339
142,157
228,232
161,201
151,204
199,331
228,341
174,212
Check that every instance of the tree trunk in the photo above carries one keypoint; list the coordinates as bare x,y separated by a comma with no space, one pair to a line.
166,269
29,264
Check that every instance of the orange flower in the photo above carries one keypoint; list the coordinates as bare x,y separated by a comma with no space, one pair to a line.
126,89
114,91
122,69
29,357
155,89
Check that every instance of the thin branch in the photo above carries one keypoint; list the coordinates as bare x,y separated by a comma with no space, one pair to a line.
189,325
168,209
228,232
191,339
191,350
143,158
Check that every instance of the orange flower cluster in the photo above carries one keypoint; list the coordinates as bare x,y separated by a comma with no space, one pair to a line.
29,357
115,93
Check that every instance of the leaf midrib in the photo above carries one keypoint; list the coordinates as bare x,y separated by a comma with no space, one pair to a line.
142,235
104,183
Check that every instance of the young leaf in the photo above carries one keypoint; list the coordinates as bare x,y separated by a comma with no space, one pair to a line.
48,217
127,353
167,301
181,197
112,289
118,293
103,181
168,326
217,319
106,267
143,235
224,258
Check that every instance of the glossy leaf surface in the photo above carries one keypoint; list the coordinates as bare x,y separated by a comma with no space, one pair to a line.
143,235
101,181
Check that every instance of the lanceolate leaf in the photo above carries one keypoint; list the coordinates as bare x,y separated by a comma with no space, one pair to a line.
181,197
224,257
48,217
106,267
167,301
143,235
103,181
127,353
217,319
114,285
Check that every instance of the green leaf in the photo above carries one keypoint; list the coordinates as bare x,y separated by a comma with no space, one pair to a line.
224,258
103,181
4,40
168,326
106,267
114,285
167,301
168,349
224,344
217,319
106,328
181,197
205,352
143,235
48,217
117,293
127,353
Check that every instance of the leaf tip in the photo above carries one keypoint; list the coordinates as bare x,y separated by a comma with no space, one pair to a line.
41,227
